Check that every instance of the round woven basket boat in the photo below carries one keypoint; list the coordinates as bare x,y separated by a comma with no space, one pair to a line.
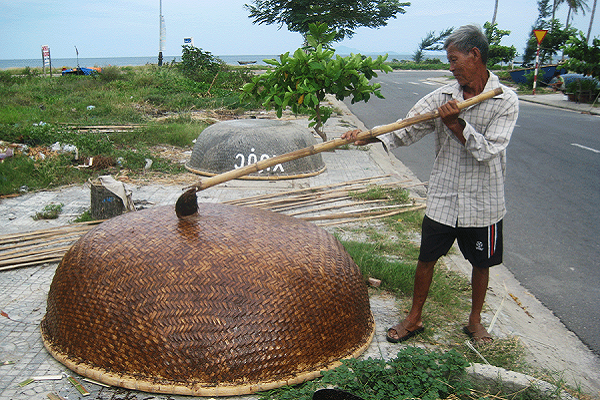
229,301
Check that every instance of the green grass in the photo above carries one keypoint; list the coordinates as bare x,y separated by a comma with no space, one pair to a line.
39,111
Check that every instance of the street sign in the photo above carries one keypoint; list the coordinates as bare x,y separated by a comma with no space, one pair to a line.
188,41
46,61
46,55
540,34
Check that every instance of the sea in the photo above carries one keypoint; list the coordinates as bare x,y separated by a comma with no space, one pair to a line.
135,61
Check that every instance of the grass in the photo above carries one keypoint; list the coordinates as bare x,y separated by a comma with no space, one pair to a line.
38,111
50,211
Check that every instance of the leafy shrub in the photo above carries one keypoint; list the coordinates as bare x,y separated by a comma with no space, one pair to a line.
301,81
414,374
197,64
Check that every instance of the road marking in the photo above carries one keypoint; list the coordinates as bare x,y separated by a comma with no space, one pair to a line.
585,147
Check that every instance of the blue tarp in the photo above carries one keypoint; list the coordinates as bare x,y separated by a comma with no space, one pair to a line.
80,71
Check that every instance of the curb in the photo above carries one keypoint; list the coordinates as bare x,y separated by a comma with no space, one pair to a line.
499,378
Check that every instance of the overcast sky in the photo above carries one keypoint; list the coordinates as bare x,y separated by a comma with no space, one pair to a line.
123,28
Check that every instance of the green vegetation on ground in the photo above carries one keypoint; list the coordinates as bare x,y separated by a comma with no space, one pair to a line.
39,111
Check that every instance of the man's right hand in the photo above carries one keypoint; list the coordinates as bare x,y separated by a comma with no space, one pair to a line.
351,136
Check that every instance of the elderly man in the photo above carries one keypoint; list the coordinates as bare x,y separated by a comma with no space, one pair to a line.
465,199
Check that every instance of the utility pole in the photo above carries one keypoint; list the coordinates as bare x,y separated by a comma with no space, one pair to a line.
161,41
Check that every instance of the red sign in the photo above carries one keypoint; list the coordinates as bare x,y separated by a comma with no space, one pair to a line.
46,55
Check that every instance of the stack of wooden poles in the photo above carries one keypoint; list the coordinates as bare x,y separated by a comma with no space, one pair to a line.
327,205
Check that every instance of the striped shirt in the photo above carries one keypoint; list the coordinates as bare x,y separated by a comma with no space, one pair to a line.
466,186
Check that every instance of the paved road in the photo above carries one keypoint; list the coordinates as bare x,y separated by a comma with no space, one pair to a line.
553,198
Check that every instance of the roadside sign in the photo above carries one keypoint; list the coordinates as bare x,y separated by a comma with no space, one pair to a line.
46,55
540,34
46,61
189,41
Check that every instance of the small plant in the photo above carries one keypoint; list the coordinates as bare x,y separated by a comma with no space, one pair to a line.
51,211
414,373
375,192
85,217
302,81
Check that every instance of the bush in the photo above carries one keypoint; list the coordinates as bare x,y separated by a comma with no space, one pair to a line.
199,65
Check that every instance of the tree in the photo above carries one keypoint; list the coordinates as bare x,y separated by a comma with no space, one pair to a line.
583,58
431,42
589,32
342,16
495,13
574,7
497,52
302,81
555,38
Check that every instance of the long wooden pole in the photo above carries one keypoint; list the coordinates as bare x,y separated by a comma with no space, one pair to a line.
332,144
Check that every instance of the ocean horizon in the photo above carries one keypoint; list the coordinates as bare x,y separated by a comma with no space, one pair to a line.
136,61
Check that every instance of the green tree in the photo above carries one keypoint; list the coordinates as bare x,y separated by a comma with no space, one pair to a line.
302,81
431,42
574,7
342,16
583,58
497,52
555,38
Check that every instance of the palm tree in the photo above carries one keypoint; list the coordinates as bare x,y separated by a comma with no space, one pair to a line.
574,7
589,33
496,13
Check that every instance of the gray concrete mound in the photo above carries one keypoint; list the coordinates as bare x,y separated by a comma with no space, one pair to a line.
234,144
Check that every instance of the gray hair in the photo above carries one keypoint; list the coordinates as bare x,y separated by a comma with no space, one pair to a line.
466,38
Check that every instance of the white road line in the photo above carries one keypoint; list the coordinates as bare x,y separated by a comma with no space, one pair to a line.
585,147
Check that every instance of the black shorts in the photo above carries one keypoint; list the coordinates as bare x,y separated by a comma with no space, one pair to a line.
481,246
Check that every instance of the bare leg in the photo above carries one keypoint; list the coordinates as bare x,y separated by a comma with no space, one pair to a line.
413,321
479,281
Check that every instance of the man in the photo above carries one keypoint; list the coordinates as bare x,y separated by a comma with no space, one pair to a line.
465,199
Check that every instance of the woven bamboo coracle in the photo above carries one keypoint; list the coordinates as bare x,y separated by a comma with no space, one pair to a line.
229,301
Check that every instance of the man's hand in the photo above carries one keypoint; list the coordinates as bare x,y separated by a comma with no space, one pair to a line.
449,114
351,136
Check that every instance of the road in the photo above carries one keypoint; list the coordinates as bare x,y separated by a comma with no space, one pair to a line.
552,194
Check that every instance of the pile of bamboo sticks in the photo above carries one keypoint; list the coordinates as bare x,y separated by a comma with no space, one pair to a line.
39,247
327,205
324,202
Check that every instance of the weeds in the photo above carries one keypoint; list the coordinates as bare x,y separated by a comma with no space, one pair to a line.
39,111
413,373
51,211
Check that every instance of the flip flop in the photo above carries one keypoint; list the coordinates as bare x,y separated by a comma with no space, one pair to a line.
334,394
478,333
405,337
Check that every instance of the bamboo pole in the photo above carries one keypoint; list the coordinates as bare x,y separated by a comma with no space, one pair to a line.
373,217
331,144
246,200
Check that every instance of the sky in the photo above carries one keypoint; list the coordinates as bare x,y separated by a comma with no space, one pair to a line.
130,28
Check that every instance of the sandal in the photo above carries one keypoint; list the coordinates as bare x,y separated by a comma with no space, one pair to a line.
399,328
478,333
